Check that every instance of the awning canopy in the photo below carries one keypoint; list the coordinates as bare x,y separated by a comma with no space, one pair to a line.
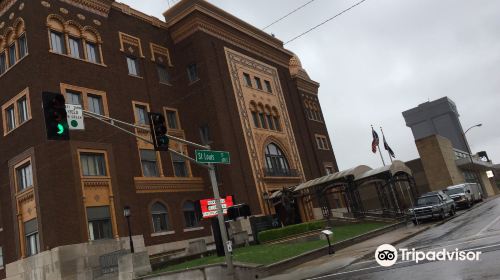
333,178
396,167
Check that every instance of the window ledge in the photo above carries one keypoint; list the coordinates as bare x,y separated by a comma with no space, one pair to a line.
78,59
166,84
315,120
257,89
193,229
163,233
268,130
193,82
135,76
12,66
12,130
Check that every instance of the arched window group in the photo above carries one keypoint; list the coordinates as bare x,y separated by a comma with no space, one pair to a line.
265,117
72,39
276,162
313,111
13,45
161,219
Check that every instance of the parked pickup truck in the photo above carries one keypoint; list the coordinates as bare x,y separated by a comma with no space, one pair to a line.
465,195
432,205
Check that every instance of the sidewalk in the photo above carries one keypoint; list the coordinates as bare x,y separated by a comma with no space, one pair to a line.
348,255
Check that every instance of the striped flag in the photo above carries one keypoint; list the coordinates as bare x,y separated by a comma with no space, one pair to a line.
388,148
375,141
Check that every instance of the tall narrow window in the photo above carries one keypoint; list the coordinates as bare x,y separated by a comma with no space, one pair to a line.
93,164
163,74
191,219
277,123
149,163
248,80
3,62
258,83
24,177
73,97
270,122
22,109
142,115
192,72
133,66
268,86
159,214
180,168
23,46
93,53
99,221
12,54
75,47
262,120
172,119
95,104
32,241
57,42
205,134
1,257
11,118
255,119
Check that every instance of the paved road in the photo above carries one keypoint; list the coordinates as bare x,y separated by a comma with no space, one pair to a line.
477,230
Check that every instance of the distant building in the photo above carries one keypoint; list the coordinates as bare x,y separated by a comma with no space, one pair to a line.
438,117
443,149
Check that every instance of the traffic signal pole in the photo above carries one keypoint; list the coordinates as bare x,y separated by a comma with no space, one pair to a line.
210,167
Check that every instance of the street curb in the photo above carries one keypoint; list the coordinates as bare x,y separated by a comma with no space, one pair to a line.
412,235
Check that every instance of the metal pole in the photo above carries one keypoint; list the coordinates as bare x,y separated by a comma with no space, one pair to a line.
380,152
383,138
474,172
220,217
130,235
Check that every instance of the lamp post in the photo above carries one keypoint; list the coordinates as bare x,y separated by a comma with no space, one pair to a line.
265,195
127,214
469,150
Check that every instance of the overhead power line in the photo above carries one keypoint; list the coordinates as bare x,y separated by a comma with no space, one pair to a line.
324,22
287,15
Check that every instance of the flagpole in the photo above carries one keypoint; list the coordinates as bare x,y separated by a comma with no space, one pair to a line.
383,138
380,152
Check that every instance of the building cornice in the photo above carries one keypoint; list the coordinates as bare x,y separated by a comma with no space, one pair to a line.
98,7
139,15
6,5
175,19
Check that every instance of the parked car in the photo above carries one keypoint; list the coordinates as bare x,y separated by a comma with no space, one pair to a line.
464,195
432,205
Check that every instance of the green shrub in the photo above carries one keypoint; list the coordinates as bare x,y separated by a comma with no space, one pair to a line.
274,234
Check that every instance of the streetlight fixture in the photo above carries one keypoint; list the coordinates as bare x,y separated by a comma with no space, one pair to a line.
470,152
127,213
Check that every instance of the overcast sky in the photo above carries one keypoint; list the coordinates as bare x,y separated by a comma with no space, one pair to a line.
384,57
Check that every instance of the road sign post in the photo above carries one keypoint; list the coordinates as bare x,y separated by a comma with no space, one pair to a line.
220,217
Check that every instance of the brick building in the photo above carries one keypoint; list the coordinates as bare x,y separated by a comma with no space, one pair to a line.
217,79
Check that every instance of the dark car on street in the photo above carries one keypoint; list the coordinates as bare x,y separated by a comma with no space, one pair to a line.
432,205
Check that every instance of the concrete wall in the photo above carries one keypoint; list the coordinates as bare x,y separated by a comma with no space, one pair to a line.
79,261
438,160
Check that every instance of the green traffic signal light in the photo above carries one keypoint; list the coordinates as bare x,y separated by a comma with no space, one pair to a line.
60,129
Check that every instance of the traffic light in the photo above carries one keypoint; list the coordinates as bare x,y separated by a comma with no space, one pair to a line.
56,122
158,131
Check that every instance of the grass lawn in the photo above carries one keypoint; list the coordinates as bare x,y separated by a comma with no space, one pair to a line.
268,254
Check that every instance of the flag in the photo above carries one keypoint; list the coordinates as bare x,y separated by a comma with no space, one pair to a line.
375,141
388,149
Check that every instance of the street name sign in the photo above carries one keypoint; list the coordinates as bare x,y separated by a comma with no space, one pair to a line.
75,117
206,156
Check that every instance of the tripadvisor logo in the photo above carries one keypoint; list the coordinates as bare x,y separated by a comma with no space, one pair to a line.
386,255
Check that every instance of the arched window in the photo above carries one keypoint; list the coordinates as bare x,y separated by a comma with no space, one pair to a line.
276,162
191,218
255,117
276,119
159,215
262,116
